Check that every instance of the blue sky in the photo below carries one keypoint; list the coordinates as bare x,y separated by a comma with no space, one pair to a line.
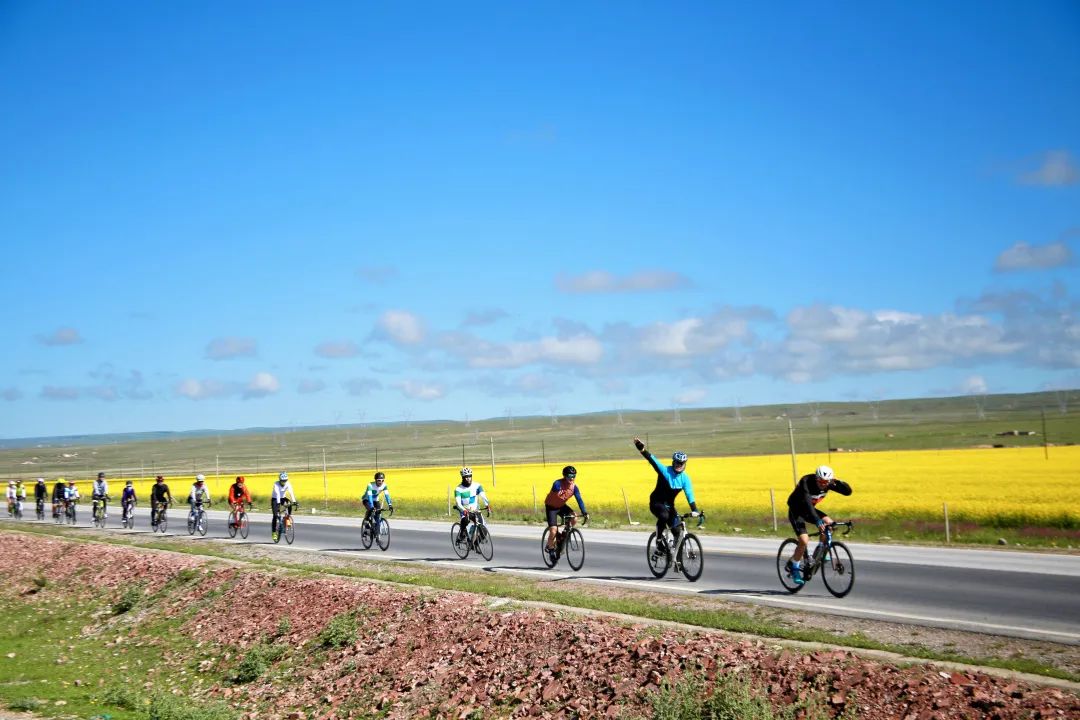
220,215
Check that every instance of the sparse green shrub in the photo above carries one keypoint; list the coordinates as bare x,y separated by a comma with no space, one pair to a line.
121,696
339,632
128,600
284,626
164,706
26,704
256,661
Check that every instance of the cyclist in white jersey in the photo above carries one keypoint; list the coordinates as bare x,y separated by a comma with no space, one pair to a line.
466,498
282,489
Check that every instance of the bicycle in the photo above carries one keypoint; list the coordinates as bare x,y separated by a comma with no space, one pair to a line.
831,558
160,520
238,521
59,512
69,511
127,518
285,523
196,521
477,537
15,509
570,541
97,513
39,507
688,557
375,529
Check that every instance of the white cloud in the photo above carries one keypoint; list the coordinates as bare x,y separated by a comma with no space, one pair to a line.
691,396
601,281
308,386
421,391
202,389
226,348
974,385
1057,169
261,385
697,336
1022,256
337,349
401,327
62,336
581,349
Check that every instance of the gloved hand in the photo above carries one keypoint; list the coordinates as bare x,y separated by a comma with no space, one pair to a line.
639,445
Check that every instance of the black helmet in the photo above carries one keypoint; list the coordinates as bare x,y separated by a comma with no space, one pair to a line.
569,472
101,476
380,476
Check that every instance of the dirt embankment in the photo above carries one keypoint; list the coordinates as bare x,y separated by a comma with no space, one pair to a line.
448,654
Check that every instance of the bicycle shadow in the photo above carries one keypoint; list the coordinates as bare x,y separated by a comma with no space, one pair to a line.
745,591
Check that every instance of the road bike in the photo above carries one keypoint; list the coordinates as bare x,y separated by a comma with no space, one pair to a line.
127,517
285,525
196,520
688,557
15,509
97,513
831,558
69,511
159,519
477,537
568,540
238,521
39,507
59,512
375,529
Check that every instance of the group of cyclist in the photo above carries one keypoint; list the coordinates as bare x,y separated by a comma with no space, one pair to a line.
670,481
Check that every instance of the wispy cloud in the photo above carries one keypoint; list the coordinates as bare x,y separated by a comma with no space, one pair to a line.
691,396
377,274
10,394
53,392
309,386
1056,168
337,349
1022,256
477,318
415,390
400,327
194,389
227,348
112,384
261,385
62,336
361,386
579,349
601,281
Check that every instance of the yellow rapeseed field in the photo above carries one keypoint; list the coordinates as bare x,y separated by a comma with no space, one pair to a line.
1009,486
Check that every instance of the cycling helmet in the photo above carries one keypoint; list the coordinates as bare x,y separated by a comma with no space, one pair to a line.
70,482
380,476
200,478
11,482
282,476
159,478
101,476
679,458
569,472
129,483
239,478
41,480
466,472
824,472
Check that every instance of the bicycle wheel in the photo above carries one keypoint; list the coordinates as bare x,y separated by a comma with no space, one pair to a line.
548,561
484,543
575,549
243,523
783,556
201,523
290,530
659,560
691,557
460,545
383,535
838,570
191,524
366,534
233,525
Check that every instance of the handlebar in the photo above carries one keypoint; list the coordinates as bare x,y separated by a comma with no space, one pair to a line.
847,524
700,516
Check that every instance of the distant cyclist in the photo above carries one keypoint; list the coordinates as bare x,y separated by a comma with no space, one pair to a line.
281,491
466,497
128,499
12,497
58,492
159,495
376,488
41,493
555,504
238,496
199,494
802,508
100,493
670,481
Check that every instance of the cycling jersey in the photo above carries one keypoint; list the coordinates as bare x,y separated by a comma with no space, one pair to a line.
71,493
561,492
40,491
12,493
669,483
465,497
100,489
371,495
159,493
198,494
128,495
806,495
279,491
239,494
58,492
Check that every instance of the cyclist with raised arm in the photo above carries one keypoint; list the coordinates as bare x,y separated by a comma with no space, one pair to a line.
128,499
58,492
555,504
281,492
376,488
41,492
802,508
238,496
159,495
670,481
466,497
100,493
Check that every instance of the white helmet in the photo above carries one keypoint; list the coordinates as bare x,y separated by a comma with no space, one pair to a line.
200,478
466,472
824,472
283,476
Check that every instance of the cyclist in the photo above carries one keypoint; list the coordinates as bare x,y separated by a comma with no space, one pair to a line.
670,481
809,491
198,494
12,497
371,496
555,503
159,495
238,495
465,498
100,493
40,493
58,491
71,495
281,491
128,500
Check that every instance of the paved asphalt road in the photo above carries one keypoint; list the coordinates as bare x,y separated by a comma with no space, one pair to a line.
1005,592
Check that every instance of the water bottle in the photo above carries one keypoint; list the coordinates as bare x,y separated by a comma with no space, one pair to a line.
819,552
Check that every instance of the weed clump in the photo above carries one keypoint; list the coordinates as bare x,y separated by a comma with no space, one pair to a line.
171,707
128,600
339,632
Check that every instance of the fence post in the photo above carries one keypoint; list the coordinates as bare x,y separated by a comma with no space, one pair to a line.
376,458
325,487
448,504
772,501
534,499
948,536
626,504
543,454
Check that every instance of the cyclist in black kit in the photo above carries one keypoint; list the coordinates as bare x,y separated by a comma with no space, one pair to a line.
159,495
809,491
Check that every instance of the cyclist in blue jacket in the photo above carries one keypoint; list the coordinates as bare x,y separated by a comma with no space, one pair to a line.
670,481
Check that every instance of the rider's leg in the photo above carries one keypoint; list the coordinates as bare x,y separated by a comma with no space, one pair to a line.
275,508
463,525
552,521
